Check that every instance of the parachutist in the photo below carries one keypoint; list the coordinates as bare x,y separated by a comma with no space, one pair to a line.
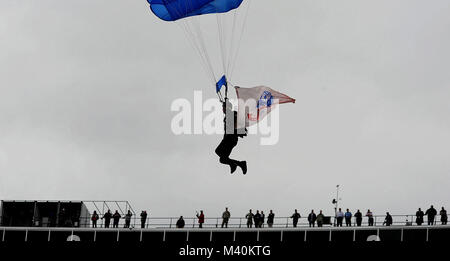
230,139
186,10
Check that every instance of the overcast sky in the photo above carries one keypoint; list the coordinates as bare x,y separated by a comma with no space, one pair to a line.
86,88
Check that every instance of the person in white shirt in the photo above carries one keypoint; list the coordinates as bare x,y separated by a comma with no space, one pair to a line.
339,218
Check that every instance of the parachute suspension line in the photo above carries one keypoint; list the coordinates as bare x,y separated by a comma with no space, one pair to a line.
205,52
184,25
221,43
226,91
191,38
202,44
194,34
240,39
188,11
220,97
233,29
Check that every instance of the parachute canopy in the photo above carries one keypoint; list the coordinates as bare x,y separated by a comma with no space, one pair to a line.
172,10
216,47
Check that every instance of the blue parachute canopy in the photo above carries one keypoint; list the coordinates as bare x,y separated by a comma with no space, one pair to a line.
172,10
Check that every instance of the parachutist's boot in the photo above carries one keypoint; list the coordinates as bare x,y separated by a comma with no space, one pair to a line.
243,165
233,168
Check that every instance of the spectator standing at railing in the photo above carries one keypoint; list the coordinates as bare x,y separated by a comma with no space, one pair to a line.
94,219
225,218
270,218
348,218
62,218
339,217
128,219
76,219
431,215
262,220
107,216
295,217
116,218
358,218
444,216
249,218
257,219
312,219
143,218
320,219
369,214
201,219
388,220
180,222
419,217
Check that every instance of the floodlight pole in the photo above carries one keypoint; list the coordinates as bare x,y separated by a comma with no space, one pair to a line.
336,204
337,198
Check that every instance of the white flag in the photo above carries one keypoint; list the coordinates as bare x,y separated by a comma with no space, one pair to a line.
256,103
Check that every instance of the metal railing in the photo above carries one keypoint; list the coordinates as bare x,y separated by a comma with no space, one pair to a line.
238,222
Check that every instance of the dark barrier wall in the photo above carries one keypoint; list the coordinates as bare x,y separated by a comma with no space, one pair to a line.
226,243
225,236
43,214
17,214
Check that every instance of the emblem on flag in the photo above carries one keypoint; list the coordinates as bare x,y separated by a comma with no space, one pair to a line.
265,100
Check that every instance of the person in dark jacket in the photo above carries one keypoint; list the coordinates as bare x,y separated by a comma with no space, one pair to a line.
128,219
262,219
358,218
431,215
348,218
295,217
62,218
388,220
369,215
320,219
419,217
116,218
444,216
201,219
270,218
256,219
107,216
180,222
143,218
249,218
312,219
94,219
225,218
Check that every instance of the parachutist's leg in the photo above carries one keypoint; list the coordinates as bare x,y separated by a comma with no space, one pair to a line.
234,164
243,165
227,161
224,151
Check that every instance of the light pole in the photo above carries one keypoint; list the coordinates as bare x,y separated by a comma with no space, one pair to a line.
337,197
336,203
